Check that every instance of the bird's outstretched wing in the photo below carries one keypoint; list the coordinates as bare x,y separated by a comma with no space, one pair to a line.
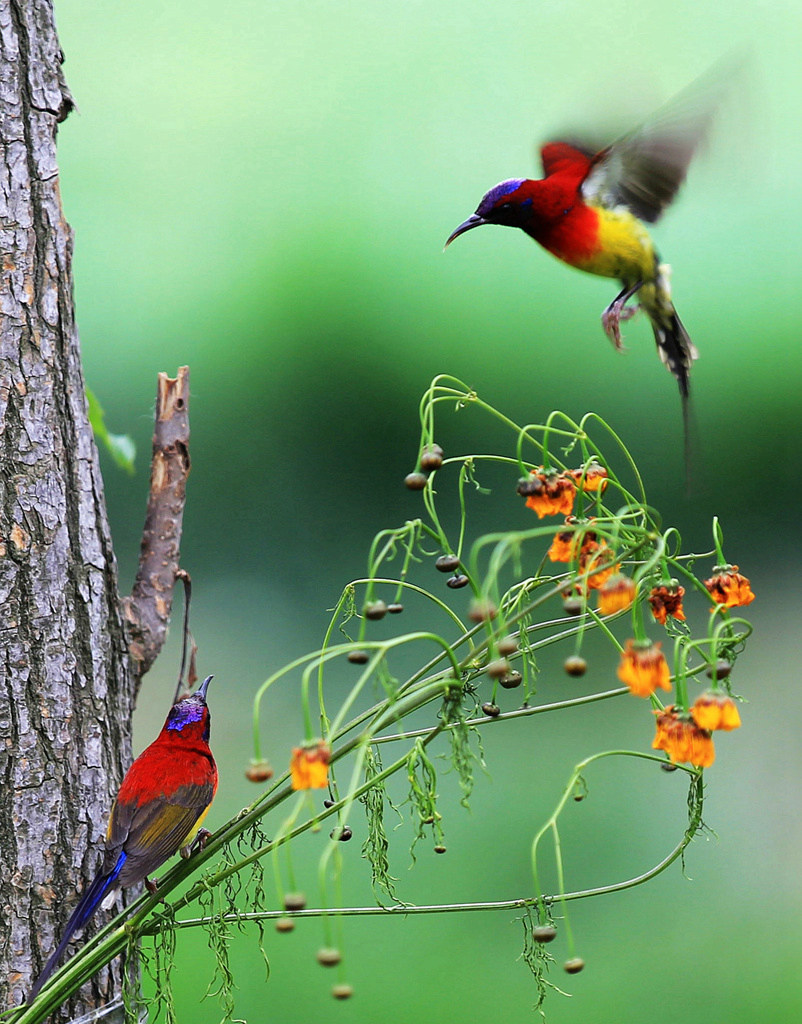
644,169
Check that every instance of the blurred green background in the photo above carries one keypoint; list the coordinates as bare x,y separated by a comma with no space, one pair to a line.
262,190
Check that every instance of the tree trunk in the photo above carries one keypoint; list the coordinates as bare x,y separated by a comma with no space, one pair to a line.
66,681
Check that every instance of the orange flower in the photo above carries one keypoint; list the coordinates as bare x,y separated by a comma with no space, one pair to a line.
616,594
563,547
728,587
643,668
666,599
592,478
598,560
309,766
682,739
548,494
715,710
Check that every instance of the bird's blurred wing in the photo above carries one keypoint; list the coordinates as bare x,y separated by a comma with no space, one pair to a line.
643,170
152,832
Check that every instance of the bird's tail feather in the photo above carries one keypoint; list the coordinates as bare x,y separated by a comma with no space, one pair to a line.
87,906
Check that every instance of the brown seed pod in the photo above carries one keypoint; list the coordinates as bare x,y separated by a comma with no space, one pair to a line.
498,668
575,665
458,581
375,610
574,965
358,657
491,710
573,605
482,610
342,991
721,671
447,563
258,771
507,645
415,481
285,924
431,458
341,833
328,956
439,848
511,680
395,608
294,900
544,933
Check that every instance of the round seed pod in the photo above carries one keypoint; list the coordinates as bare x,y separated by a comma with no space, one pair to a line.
358,657
574,965
498,668
328,803
258,771
375,610
341,833
342,991
395,608
431,458
544,933
294,900
507,645
482,610
668,766
285,924
439,848
511,680
573,605
415,481
458,581
575,665
721,671
447,563
491,710
328,956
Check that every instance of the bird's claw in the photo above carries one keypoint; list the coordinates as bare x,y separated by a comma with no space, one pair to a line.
152,885
611,319
197,843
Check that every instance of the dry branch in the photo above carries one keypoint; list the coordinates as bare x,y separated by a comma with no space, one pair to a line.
148,608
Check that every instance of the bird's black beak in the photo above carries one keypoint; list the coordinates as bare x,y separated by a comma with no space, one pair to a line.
474,221
204,686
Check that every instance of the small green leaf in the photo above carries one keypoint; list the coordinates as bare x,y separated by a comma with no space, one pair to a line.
121,447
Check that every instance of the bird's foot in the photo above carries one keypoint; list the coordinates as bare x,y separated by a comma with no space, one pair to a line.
197,843
152,885
611,320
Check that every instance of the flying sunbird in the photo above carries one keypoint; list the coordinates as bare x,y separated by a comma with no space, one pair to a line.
592,205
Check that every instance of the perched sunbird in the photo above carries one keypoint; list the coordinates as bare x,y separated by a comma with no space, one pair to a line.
161,803
590,207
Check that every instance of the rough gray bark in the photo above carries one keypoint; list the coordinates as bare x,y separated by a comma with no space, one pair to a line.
66,686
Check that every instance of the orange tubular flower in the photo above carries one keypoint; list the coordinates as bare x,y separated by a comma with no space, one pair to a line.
728,587
682,739
643,668
666,599
597,559
309,767
548,494
715,710
591,478
616,594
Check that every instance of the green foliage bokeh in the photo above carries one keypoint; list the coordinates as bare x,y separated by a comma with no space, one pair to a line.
263,192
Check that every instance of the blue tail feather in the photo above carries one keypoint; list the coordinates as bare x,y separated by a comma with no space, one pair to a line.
87,906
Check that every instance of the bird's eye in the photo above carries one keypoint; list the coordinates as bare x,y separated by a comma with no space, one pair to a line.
505,207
